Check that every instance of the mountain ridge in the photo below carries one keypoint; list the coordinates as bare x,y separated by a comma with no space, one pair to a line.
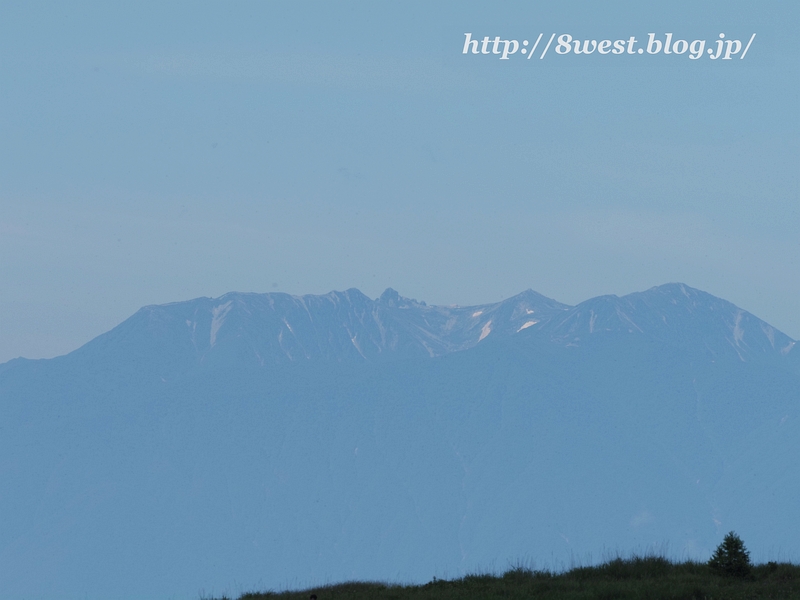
274,328
166,447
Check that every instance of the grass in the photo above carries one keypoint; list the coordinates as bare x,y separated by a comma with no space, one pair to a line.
648,577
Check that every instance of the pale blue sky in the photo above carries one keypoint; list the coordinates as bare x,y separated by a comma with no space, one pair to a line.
157,153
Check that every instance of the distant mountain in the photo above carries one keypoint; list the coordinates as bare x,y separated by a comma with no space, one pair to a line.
673,313
271,329
276,328
269,440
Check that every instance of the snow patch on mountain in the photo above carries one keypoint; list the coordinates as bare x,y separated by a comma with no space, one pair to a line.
218,314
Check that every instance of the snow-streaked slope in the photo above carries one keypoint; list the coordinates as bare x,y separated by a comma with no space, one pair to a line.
276,328
674,313
166,447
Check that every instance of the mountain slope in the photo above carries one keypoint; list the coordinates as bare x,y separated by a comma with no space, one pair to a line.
674,313
271,329
618,424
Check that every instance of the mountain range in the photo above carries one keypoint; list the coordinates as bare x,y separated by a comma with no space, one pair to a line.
266,440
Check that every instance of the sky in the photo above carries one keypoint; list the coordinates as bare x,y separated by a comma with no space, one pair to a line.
155,152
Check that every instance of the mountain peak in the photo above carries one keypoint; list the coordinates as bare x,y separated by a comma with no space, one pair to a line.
673,313
347,325
390,297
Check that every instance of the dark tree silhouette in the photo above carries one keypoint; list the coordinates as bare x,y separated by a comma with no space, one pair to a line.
731,557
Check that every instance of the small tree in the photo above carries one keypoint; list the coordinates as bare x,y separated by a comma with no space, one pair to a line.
731,557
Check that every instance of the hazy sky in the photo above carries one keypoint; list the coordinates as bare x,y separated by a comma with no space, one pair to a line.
156,153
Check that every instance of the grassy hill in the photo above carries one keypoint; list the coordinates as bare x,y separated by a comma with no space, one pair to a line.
635,578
